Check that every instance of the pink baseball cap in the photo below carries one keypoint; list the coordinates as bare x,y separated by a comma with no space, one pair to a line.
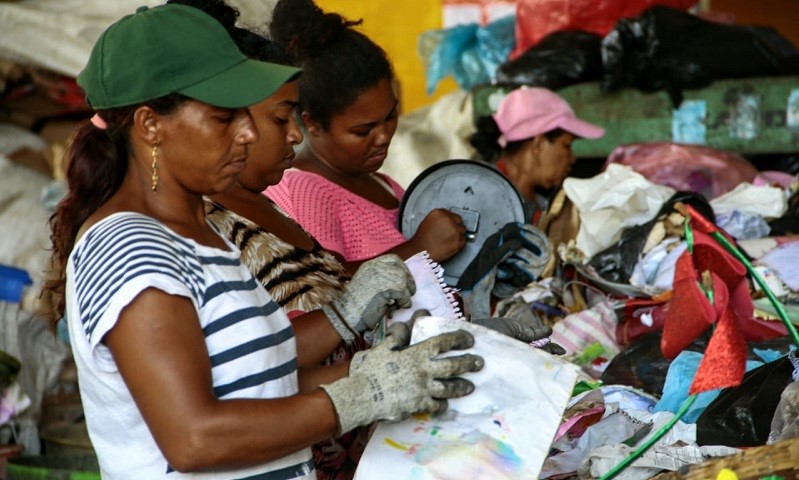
530,111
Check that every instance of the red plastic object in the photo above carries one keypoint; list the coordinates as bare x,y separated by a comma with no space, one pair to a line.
535,19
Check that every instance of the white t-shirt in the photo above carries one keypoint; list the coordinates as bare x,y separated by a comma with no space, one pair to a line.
249,339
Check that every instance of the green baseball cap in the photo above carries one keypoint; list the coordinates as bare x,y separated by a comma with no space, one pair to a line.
175,49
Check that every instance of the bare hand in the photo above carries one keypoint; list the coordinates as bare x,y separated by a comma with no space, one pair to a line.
442,233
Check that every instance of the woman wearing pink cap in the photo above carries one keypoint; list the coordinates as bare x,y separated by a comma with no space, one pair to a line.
530,138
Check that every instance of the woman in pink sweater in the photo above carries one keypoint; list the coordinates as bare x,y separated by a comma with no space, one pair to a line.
349,109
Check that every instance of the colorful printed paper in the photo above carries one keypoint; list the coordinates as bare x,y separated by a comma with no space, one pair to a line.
502,431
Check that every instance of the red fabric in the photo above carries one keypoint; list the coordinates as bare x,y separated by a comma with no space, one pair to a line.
535,19
724,363
631,328
690,313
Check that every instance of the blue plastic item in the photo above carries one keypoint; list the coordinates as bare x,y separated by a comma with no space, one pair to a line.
470,53
12,283
678,380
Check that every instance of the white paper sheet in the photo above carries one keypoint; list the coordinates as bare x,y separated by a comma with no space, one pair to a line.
502,431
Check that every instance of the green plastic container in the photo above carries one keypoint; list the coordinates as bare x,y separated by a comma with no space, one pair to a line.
71,467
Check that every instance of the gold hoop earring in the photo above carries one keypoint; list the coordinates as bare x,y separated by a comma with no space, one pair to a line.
154,178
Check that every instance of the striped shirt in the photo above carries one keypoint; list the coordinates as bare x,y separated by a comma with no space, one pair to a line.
248,337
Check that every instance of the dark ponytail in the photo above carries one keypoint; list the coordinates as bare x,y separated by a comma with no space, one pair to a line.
338,62
484,139
97,161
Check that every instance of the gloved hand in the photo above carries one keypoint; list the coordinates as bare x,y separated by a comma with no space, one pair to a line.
514,328
522,246
517,320
527,262
379,287
393,380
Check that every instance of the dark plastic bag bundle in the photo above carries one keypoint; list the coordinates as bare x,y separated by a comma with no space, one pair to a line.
642,365
668,49
559,60
741,416
616,263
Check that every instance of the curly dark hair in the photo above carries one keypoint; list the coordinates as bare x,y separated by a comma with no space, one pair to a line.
338,61
484,139
253,44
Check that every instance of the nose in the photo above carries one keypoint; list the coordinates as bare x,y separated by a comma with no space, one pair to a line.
295,132
247,133
383,135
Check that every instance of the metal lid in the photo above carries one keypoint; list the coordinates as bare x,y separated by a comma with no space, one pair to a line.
476,191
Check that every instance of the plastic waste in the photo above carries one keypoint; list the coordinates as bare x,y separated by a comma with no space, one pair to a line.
470,53
559,60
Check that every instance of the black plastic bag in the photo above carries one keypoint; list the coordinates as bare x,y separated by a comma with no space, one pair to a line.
560,59
616,263
642,365
741,416
668,49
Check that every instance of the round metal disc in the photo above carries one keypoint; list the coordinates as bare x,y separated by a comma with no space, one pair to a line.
476,191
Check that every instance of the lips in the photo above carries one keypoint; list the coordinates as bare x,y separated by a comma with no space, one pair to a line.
239,162
288,160
378,157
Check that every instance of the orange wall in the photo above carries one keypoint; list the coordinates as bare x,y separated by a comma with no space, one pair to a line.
396,25
782,15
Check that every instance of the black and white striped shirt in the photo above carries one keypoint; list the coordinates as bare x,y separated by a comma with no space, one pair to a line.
249,338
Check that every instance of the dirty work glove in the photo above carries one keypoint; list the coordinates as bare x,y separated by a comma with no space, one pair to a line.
379,287
501,246
513,328
516,319
527,262
394,380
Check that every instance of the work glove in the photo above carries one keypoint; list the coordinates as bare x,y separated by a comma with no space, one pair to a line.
517,320
379,287
520,251
526,263
394,380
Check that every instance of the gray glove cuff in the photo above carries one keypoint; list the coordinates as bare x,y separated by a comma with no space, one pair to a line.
343,329
347,396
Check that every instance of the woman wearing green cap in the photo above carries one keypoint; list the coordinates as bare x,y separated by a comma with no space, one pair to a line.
187,367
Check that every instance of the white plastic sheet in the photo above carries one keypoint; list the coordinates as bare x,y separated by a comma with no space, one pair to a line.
502,431
763,200
616,198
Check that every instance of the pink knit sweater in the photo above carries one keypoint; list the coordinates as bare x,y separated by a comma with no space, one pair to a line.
340,220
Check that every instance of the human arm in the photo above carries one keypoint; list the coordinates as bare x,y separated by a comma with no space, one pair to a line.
442,234
159,349
316,338
379,287
312,377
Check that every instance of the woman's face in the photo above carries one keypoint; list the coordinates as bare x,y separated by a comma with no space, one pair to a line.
358,138
552,160
278,132
204,148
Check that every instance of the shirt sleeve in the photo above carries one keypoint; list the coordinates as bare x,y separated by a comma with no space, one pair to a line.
123,257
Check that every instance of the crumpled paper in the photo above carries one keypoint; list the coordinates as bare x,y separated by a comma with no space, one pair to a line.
764,200
616,198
